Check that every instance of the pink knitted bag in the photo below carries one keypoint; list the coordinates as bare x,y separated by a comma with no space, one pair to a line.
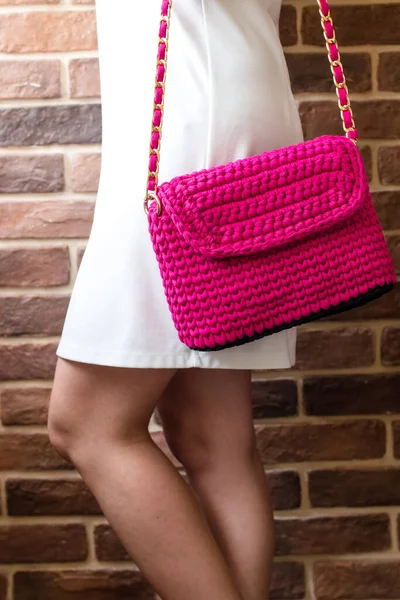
265,243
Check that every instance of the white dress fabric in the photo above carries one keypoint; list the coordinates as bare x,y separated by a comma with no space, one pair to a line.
228,96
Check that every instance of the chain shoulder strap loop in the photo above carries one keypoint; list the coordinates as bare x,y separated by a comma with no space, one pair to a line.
158,108
339,80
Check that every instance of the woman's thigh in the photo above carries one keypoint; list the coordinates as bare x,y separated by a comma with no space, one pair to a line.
208,413
91,400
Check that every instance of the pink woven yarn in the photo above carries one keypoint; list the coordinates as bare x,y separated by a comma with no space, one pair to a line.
262,244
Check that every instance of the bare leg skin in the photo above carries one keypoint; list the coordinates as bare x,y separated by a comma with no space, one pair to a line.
208,424
98,419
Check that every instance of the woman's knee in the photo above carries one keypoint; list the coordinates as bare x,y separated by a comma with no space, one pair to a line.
65,425
201,448
92,405
191,448
61,432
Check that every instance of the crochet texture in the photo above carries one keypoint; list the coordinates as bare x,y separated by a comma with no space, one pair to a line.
262,244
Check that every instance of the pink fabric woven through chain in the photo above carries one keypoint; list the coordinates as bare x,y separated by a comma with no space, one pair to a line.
267,242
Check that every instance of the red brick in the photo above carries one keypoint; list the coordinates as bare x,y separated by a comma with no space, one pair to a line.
394,249
15,2
108,545
24,406
288,25
376,24
3,586
32,315
375,119
335,349
79,255
285,489
84,78
387,205
42,543
34,267
333,535
352,394
31,497
21,79
46,219
398,529
43,125
339,440
86,172
391,346
81,584
366,154
288,581
45,31
389,72
389,165
274,398
396,438
30,175
355,487
310,72
29,452
378,118
27,361
361,580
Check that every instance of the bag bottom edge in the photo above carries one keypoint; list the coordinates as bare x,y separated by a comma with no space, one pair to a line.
361,300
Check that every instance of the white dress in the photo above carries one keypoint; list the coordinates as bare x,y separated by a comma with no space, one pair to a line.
227,97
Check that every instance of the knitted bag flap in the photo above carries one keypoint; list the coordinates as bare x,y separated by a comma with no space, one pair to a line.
255,205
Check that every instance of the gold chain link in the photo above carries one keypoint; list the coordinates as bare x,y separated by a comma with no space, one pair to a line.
337,63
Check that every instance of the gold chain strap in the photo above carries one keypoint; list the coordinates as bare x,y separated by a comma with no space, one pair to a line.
158,108
336,66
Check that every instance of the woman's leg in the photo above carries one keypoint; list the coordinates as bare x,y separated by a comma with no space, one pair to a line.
99,419
208,424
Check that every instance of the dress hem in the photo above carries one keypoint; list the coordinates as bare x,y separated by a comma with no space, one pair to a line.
194,359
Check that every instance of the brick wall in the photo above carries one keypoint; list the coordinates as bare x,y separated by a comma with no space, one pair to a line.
329,430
